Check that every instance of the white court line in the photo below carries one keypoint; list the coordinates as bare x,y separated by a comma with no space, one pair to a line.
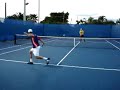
68,53
113,45
96,42
80,67
14,50
9,47
20,45
18,49
14,61
66,66
49,41
117,41
14,46
46,41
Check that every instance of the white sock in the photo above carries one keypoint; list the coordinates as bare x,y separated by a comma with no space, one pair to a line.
31,60
45,58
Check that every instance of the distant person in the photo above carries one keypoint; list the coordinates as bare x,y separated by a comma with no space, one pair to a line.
81,32
36,47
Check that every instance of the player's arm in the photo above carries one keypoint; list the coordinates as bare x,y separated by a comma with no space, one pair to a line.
41,41
28,34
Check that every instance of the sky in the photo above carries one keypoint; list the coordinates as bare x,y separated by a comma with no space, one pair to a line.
77,9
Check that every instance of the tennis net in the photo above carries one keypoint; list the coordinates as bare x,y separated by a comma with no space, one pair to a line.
48,40
96,43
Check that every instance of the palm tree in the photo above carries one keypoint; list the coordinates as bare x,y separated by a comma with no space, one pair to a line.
118,21
102,19
32,17
90,20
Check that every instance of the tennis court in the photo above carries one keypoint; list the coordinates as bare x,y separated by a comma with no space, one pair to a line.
90,65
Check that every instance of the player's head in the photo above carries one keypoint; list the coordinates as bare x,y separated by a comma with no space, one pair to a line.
30,31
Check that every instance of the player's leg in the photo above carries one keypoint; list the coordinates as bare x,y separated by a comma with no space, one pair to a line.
36,54
80,38
84,38
43,58
31,52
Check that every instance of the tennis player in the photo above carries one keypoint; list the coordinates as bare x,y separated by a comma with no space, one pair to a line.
36,47
81,32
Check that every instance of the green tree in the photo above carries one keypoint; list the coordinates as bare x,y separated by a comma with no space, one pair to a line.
81,22
32,17
47,20
78,22
56,18
109,22
118,21
90,20
100,20
19,16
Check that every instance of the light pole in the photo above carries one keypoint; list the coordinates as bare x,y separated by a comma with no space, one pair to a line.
24,15
63,17
5,10
38,11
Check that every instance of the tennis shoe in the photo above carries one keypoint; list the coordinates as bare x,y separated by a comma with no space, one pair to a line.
47,62
30,63
48,59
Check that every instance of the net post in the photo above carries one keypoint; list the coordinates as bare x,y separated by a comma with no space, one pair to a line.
15,39
74,42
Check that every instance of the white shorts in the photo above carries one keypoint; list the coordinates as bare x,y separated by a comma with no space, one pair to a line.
35,50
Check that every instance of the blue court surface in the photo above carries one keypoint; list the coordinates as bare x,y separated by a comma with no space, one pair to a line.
89,65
